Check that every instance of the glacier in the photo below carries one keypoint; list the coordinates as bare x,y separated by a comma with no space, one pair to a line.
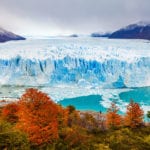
73,67
83,62
108,73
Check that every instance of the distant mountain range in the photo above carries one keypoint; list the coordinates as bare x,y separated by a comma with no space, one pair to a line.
73,35
8,36
140,30
97,34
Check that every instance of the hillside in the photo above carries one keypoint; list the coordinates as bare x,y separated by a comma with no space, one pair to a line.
8,36
139,30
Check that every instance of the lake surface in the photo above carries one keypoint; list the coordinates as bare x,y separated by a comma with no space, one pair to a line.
99,103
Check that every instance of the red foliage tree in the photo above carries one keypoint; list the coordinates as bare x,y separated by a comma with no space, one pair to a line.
134,115
9,112
113,119
38,117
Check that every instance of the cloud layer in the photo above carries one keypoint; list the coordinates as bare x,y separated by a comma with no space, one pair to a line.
49,17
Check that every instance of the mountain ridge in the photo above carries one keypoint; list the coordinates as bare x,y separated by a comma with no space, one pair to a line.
140,30
9,36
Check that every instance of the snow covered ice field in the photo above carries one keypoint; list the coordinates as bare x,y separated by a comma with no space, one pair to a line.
73,67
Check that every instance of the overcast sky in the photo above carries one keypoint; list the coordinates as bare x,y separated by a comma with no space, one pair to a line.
54,17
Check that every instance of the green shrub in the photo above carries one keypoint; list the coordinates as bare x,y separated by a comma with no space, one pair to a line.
12,139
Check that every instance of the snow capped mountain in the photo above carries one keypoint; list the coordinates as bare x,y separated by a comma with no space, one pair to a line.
138,24
140,30
143,23
8,36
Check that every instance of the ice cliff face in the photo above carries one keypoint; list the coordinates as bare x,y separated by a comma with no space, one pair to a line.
109,73
80,65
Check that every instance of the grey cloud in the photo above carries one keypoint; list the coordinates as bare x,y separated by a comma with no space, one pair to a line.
82,16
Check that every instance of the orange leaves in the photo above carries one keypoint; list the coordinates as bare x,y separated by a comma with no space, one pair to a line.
113,119
38,117
46,123
134,115
9,112
62,117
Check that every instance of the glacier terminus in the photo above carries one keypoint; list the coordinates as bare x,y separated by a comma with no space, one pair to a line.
81,64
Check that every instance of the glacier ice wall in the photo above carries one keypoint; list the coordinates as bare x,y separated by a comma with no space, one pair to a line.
108,73
81,61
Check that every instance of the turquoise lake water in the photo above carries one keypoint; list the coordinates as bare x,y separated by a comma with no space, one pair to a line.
93,102
140,95
90,102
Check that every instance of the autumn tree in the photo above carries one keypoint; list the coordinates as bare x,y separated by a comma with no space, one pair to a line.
134,115
38,117
9,112
71,109
113,119
101,121
73,116
88,121
62,117
75,137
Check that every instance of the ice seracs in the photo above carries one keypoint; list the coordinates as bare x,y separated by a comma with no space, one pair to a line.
82,62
